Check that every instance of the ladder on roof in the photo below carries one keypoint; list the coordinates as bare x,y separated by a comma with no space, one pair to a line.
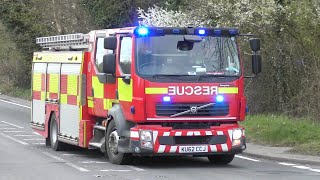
61,42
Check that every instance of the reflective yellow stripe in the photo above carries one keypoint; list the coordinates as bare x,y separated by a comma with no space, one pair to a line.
43,96
75,57
90,103
63,99
228,90
125,91
97,87
114,101
156,90
54,83
72,87
107,104
36,82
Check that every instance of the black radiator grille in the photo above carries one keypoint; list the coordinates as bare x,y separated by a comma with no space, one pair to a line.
220,109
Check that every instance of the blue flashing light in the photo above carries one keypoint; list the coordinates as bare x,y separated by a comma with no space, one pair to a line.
219,98
133,110
202,32
217,32
176,31
160,31
166,98
143,31
233,31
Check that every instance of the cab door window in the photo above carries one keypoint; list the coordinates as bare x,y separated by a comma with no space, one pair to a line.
100,52
126,55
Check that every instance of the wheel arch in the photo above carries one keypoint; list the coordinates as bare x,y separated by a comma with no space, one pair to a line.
123,126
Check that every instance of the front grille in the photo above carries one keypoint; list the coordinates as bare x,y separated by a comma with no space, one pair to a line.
220,109
192,139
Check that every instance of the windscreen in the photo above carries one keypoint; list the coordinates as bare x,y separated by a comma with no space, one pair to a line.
178,55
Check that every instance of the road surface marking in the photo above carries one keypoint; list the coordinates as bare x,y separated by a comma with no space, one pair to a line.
53,156
94,162
115,170
246,158
315,170
23,135
67,163
33,139
77,167
287,164
15,104
302,167
70,154
39,143
7,128
14,139
135,168
36,133
14,131
14,125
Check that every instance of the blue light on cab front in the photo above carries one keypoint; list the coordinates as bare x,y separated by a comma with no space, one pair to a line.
166,99
202,32
219,98
143,31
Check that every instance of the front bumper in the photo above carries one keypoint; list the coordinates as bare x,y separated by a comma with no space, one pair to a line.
168,141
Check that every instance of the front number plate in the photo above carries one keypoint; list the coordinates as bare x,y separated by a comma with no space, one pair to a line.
192,149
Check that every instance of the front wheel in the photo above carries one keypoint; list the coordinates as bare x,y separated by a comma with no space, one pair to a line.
55,144
222,159
112,138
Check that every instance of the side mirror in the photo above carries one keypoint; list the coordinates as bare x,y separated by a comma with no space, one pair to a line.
185,45
109,64
256,63
255,44
192,38
110,43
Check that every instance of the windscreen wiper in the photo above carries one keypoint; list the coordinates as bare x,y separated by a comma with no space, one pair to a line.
169,75
212,75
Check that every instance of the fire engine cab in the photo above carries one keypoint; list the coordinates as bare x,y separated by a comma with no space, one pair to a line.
143,91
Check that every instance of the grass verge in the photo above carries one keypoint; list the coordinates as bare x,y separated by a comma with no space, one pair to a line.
277,130
15,92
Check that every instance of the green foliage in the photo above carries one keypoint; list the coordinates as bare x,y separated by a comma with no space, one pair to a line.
277,130
114,13
19,18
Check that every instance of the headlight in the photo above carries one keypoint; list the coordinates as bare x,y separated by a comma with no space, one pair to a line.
237,133
146,136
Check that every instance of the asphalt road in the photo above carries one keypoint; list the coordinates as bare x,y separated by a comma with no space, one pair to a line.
23,155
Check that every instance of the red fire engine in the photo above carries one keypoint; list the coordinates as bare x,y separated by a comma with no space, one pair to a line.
143,91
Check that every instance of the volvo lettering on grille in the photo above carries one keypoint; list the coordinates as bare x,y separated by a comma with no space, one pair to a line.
193,109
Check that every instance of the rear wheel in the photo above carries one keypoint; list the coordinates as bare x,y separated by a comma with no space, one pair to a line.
55,144
112,138
222,159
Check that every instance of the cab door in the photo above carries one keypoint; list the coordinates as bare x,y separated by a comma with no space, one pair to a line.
101,91
125,68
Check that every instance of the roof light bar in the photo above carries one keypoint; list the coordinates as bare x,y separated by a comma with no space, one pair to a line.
201,32
143,31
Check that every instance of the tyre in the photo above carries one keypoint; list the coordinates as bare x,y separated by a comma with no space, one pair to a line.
55,144
222,159
115,157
